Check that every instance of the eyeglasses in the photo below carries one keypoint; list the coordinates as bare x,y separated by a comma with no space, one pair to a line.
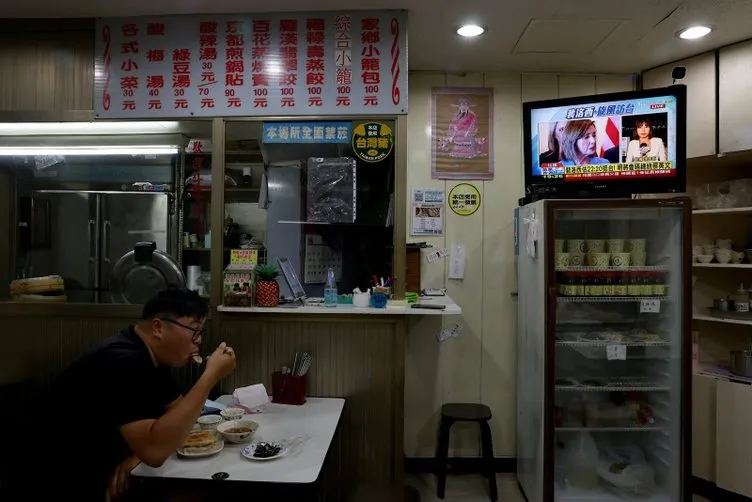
198,333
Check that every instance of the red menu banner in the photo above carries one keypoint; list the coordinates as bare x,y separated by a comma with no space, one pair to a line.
325,63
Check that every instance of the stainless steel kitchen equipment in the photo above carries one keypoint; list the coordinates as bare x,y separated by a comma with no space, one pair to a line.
143,272
90,231
740,362
89,209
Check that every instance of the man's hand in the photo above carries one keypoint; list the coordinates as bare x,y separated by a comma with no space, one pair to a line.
221,363
118,482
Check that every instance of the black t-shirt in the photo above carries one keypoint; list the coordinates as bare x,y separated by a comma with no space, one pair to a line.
113,384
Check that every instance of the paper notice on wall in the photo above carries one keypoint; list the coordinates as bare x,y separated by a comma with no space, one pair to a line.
427,211
436,254
447,333
457,256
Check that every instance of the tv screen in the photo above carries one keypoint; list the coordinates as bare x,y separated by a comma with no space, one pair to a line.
622,143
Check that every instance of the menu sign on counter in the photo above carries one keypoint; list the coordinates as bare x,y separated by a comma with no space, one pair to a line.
326,63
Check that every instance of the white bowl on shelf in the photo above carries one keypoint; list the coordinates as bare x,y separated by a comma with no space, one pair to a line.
705,258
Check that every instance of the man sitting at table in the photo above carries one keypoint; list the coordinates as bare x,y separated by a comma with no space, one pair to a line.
118,405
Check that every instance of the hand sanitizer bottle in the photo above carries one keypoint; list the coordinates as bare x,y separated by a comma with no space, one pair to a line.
330,289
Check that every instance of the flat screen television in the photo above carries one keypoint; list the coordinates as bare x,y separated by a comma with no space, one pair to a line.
607,145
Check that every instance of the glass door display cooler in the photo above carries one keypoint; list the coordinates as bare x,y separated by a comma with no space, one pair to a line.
604,350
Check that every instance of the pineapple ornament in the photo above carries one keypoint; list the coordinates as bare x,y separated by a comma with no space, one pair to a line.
267,289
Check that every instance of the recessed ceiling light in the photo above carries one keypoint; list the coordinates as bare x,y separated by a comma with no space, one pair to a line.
470,30
694,32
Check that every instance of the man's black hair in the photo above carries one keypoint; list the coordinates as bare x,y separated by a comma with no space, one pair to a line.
176,303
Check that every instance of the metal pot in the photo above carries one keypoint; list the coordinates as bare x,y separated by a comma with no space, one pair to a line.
741,363
721,305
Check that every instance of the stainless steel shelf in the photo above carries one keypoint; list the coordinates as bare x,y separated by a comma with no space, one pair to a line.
612,388
604,299
656,268
636,428
606,343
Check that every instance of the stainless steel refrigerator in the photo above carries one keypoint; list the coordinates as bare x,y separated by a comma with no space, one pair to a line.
604,350
80,235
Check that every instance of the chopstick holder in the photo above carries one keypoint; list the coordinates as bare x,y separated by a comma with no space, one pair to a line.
288,389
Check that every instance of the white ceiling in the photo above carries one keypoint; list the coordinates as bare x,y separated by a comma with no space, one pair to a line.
532,35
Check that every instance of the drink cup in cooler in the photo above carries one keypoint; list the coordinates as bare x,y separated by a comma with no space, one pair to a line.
637,258
615,245
620,260
598,259
576,259
576,246
596,245
636,245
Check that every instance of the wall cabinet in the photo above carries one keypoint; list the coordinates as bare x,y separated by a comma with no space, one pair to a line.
733,450
734,89
701,106
703,426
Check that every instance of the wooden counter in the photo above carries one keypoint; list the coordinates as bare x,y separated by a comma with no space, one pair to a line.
47,310
360,358
396,309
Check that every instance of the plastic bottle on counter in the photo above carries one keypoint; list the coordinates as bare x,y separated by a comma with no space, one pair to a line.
330,289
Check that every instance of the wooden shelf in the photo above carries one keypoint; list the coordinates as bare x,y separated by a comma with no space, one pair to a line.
722,265
727,320
723,210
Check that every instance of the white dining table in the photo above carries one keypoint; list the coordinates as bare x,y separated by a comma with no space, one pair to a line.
309,428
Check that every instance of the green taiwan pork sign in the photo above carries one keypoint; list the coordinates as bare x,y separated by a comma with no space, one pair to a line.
372,141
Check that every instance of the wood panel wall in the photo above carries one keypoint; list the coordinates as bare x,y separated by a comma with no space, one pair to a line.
47,66
358,360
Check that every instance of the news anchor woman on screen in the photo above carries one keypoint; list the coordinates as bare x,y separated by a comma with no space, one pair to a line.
644,146
579,144
555,134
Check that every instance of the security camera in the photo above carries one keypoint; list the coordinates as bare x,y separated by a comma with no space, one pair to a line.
678,73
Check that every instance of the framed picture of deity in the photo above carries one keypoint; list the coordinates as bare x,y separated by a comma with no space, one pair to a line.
462,133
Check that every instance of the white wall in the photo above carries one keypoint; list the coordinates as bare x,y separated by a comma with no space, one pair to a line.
479,365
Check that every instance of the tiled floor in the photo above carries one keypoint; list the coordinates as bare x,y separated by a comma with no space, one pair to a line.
472,488
466,488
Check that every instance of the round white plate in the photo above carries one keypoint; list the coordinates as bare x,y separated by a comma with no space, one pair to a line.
218,447
247,452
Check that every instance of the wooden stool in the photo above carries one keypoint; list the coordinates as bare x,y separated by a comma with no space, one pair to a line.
465,412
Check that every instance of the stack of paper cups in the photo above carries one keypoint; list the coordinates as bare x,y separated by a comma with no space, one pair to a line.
192,277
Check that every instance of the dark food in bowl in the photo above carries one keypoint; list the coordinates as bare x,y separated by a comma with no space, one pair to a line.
238,430
266,450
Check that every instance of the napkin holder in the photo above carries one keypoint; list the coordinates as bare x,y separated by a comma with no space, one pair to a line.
288,389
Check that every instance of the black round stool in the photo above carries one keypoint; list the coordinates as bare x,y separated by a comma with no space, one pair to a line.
465,412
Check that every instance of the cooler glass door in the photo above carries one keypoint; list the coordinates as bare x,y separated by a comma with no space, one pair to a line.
619,343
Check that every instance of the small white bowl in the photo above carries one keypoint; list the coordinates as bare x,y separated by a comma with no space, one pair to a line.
238,437
705,258
232,413
209,422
